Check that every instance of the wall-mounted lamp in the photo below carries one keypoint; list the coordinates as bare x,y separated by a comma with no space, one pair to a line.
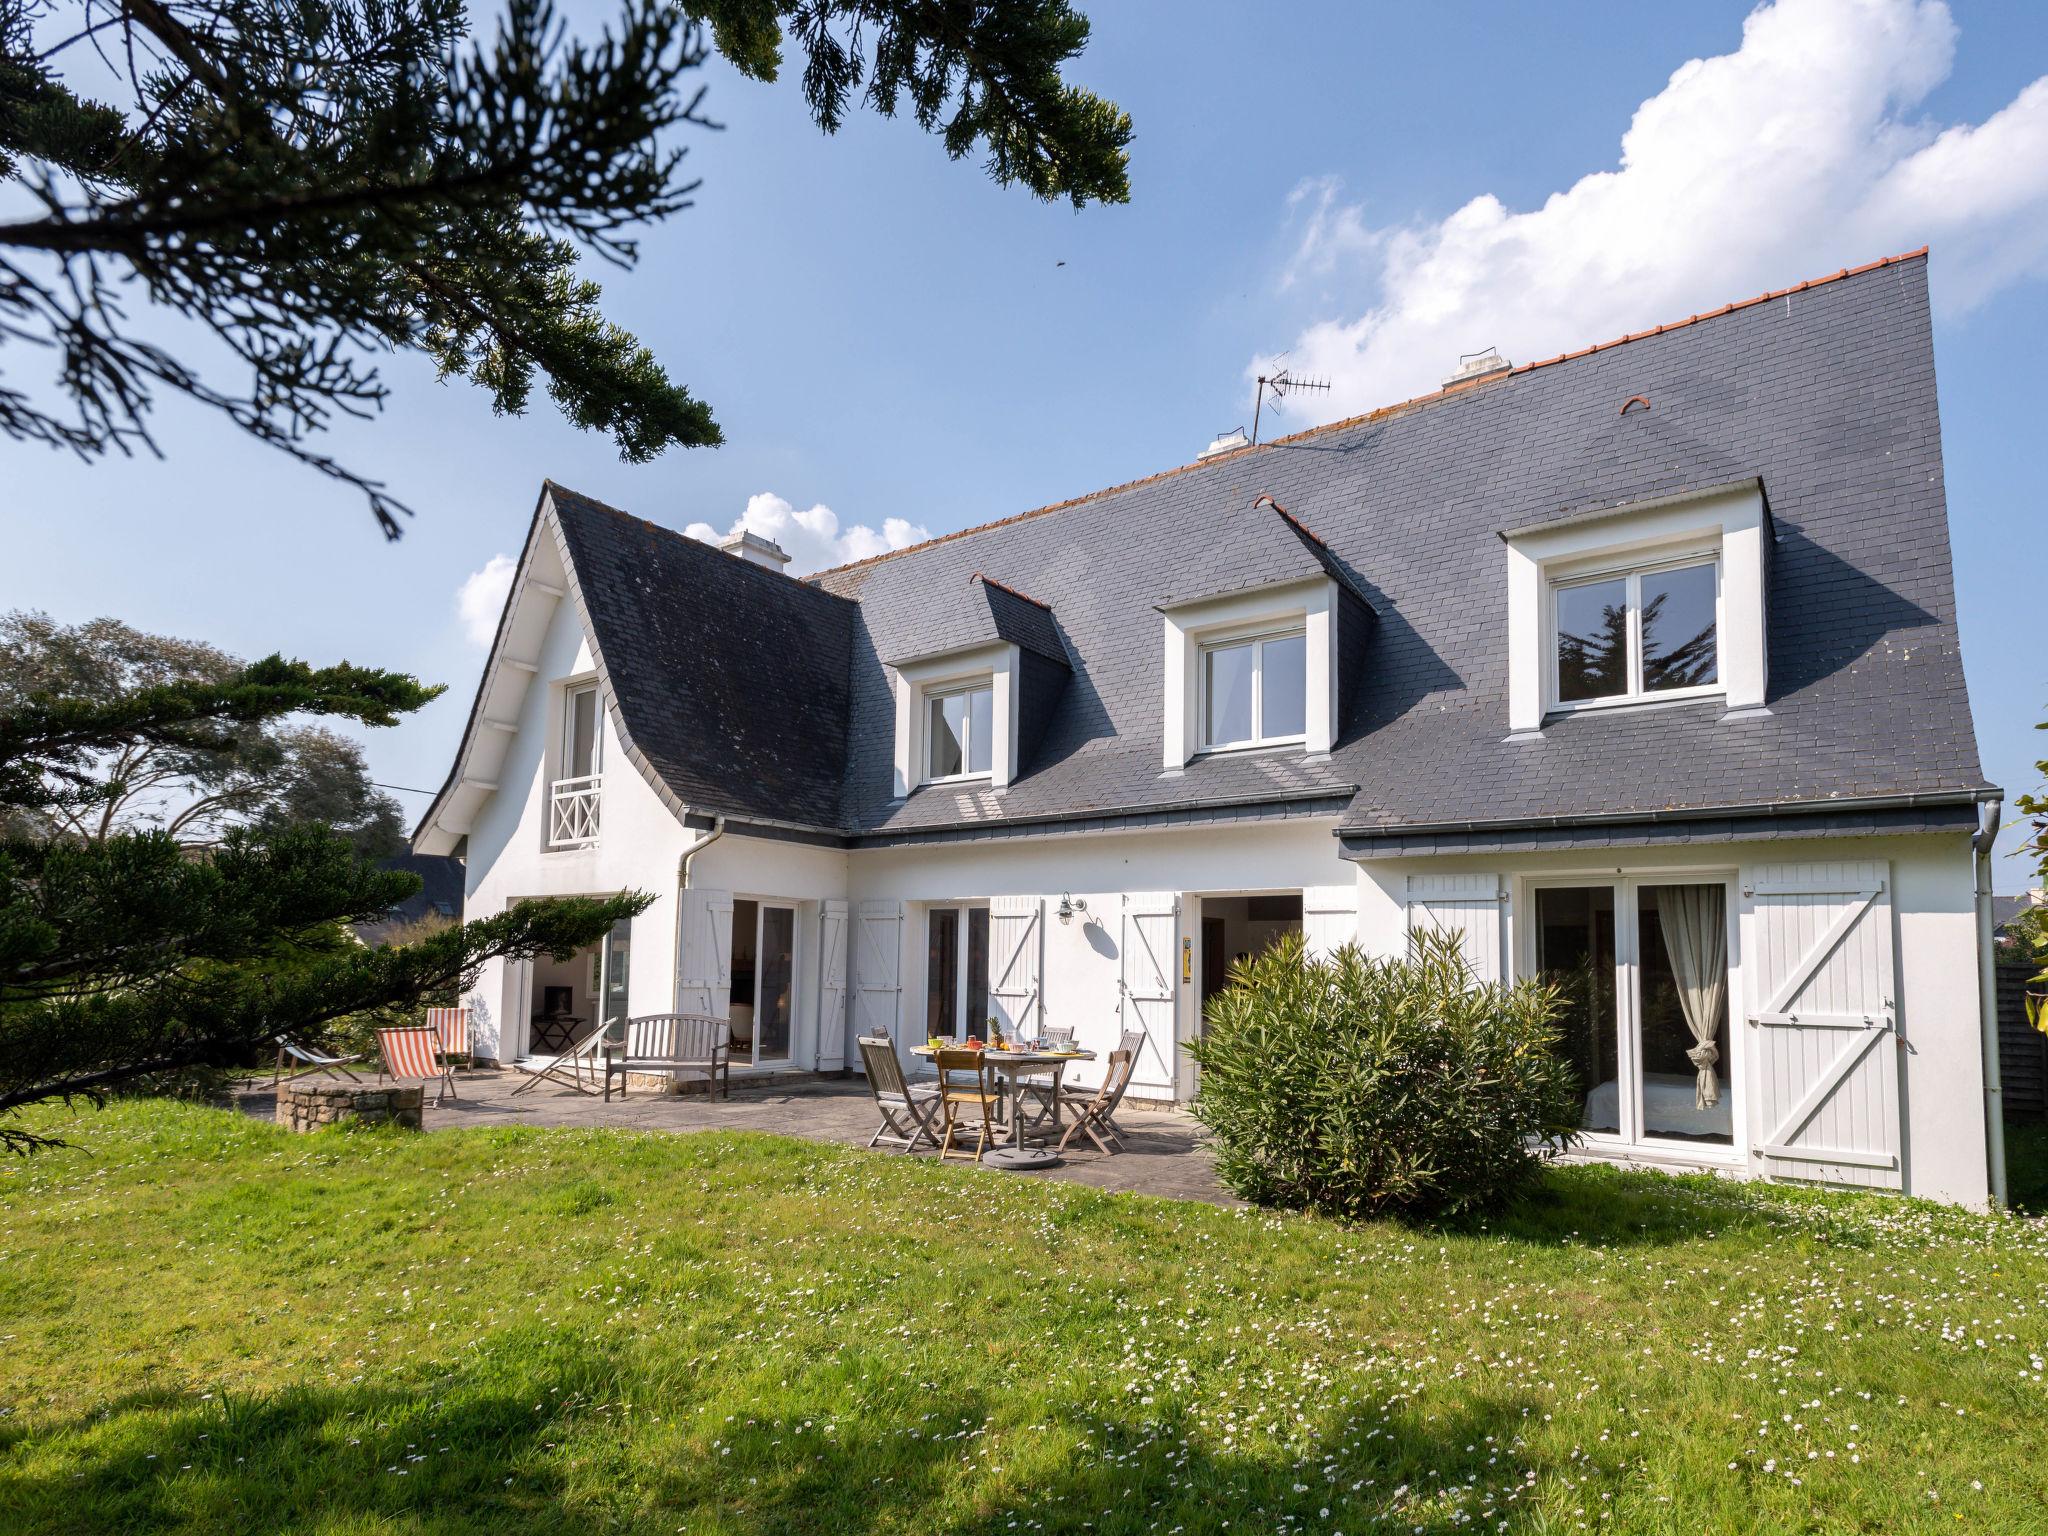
1069,906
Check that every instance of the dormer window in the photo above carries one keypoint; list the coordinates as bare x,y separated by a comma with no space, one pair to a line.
1639,604
1255,690
1651,631
960,732
1258,668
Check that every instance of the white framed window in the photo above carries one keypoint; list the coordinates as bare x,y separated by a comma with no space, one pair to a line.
575,795
582,741
1640,604
1649,630
959,732
1254,690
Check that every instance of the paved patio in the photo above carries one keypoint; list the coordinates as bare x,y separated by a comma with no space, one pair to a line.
1165,1151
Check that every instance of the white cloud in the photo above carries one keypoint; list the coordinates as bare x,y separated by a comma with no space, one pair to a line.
481,598
813,539
1796,155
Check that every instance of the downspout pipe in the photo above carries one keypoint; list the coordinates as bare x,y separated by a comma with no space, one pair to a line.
1989,813
703,841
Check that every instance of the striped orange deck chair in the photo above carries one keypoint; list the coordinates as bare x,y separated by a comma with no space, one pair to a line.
452,1026
416,1054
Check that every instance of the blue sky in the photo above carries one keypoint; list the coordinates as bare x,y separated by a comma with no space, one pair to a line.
885,334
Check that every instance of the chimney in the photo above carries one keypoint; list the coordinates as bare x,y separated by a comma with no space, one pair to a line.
1224,442
755,550
1477,365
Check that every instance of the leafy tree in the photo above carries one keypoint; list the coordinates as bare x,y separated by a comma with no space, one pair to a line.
2031,927
313,184
127,956
267,773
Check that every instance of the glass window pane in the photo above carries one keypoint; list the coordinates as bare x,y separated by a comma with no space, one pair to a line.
582,734
942,973
1575,953
977,970
1678,628
1283,686
1229,687
778,977
948,732
981,733
1592,640
1684,945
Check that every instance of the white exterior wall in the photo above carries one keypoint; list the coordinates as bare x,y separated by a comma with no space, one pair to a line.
786,873
1932,902
637,848
1083,957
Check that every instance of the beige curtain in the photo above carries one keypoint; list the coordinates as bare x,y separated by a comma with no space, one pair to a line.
1696,939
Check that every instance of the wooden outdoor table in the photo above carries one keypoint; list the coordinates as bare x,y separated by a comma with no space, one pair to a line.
1011,1066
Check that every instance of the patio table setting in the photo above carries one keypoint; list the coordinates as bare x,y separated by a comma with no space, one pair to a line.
1021,1066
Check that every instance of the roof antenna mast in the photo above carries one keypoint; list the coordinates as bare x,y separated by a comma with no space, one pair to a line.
1282,384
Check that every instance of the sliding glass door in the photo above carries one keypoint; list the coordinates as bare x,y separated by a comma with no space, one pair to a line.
1644,968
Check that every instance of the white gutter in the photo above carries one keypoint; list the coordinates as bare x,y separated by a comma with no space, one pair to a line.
1988,813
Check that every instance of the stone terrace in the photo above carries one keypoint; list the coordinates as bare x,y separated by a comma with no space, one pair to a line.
1166,1152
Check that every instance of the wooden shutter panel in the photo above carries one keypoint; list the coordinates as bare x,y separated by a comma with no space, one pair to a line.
832,990
704,971
1016,946
1824,1067
1329,918
1150,955
877,963
1470,906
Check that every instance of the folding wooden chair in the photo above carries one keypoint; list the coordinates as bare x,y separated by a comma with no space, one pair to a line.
415,1053
576,1067
308,1060
965,1081
906,1108
1092,1115
452,1025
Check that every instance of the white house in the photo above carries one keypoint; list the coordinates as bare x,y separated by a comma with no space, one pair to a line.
1637,667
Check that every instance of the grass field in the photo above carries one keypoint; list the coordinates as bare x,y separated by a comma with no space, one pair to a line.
211,1326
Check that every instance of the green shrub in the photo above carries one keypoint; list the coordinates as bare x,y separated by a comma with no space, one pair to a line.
1360,1086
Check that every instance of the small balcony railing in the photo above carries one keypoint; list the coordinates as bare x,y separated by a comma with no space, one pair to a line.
572,811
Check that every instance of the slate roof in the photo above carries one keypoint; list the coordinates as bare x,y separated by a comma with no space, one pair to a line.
726,674
759,689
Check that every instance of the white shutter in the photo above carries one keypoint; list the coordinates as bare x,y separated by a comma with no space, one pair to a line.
877,961
1016,944
1151,945
832,986
1329,918
1824,1068
704,973
1469,906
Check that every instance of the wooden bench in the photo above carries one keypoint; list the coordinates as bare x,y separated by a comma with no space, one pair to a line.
671,1042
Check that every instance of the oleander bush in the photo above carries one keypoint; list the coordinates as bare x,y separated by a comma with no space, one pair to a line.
1360,1086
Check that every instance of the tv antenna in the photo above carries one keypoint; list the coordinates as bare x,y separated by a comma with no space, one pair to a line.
1282,384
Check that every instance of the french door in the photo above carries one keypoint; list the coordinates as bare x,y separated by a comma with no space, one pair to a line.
1644,964
763,998
956,971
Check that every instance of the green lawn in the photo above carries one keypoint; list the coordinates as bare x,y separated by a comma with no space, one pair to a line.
211,1326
